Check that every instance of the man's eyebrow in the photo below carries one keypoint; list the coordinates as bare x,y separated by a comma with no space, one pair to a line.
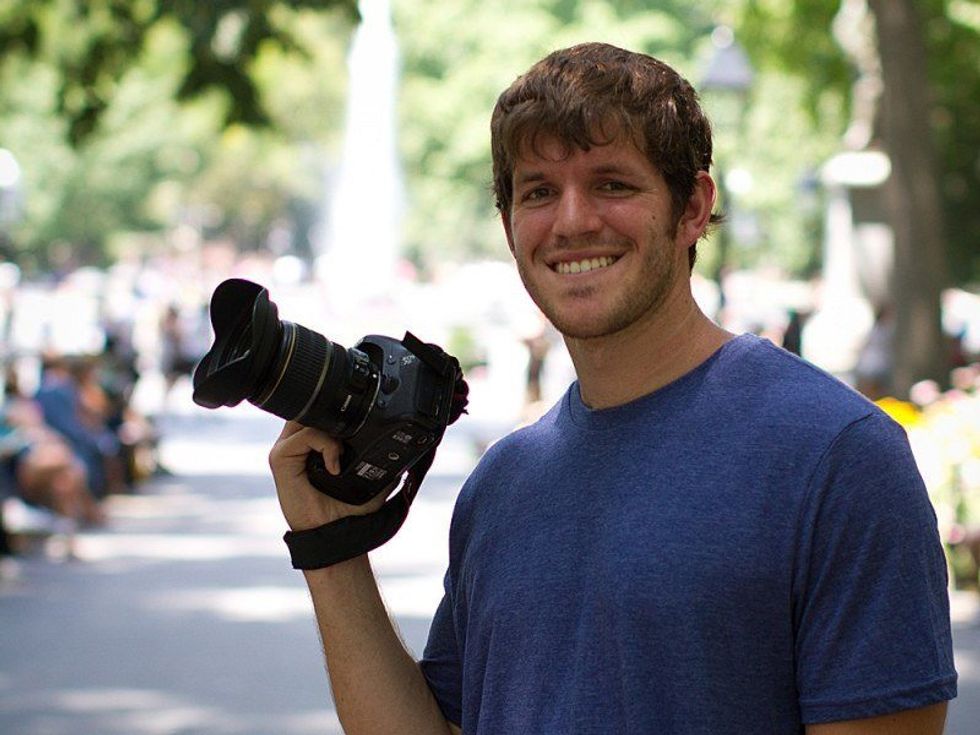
613,168
528,177
604,169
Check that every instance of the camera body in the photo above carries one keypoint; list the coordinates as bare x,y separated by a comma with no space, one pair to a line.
388,401
407,418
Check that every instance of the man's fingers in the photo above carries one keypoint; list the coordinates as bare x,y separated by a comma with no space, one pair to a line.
290,428
298,441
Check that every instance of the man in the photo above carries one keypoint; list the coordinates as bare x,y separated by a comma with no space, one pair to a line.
705,535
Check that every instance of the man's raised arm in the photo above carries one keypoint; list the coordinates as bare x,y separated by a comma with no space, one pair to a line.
377,685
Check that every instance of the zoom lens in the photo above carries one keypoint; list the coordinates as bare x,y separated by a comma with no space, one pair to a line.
281,367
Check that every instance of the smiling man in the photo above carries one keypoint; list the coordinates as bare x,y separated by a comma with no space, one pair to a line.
705,535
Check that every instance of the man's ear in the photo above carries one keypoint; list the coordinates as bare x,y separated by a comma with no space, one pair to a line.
508,230
697,214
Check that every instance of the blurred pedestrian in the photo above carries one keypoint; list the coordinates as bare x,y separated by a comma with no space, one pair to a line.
177,359
793,334
873,371
538,345
704,535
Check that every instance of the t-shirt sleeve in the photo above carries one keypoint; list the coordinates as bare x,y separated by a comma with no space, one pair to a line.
871,605
440,662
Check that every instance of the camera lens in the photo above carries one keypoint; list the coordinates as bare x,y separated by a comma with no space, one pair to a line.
297,373
281,367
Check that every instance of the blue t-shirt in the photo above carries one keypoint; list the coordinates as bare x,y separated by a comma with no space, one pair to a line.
745,550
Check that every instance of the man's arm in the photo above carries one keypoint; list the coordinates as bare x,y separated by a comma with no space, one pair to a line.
377,685
923,721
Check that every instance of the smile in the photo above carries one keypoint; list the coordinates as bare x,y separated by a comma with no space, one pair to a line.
583,266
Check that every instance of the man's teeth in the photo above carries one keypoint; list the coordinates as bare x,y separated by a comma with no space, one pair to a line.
583,266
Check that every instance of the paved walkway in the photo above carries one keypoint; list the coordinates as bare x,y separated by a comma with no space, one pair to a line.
184,616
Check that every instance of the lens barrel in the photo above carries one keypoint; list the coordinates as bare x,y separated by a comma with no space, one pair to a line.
302,362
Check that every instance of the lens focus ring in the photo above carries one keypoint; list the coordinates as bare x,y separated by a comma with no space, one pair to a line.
298,373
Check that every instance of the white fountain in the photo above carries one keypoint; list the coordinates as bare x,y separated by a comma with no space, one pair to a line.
359,249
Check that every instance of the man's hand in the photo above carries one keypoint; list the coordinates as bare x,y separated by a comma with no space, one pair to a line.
302,504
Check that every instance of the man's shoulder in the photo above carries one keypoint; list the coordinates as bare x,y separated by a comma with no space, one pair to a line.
527,436
767,378
526,448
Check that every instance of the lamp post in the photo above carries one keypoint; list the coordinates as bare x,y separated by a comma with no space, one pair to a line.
726,83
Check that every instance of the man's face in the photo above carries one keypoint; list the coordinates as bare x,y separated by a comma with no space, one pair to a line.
593,236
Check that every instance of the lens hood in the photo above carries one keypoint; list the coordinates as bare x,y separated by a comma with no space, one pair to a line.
247,332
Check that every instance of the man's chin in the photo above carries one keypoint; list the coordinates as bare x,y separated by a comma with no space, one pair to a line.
586,328
590,322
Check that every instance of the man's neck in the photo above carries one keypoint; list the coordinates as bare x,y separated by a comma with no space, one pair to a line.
648,355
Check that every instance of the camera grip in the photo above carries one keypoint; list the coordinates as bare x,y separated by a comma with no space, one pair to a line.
316,472
334,485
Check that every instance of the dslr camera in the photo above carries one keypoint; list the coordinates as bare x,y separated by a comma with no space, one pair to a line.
388,401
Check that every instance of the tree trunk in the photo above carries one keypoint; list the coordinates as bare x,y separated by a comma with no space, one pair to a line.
913,196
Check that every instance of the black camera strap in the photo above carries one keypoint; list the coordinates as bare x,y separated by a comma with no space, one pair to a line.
352,536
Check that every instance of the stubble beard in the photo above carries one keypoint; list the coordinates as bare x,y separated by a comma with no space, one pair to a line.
643,295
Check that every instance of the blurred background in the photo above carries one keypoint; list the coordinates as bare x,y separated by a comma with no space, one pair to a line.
338,153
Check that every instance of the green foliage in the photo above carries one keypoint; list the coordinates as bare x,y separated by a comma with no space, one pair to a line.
258,181
93,43
456,62
151,162
76,195
140,115
776,150
795,38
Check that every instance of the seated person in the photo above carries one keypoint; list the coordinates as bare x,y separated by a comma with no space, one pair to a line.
68,409
42,469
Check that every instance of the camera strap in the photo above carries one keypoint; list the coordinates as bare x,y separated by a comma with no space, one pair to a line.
355,535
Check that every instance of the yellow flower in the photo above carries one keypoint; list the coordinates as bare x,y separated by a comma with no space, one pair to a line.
903,412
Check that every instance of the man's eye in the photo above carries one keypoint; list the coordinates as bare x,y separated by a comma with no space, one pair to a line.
615,186
536,194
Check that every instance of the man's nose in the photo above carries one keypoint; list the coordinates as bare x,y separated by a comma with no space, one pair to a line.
576,215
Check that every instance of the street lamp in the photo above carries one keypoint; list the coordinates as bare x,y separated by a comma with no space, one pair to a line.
725,83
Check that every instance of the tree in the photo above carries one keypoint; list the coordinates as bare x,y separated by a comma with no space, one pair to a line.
912,196
93,43
152,158
927,122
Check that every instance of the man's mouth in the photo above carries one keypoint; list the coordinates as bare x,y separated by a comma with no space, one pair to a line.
584,265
